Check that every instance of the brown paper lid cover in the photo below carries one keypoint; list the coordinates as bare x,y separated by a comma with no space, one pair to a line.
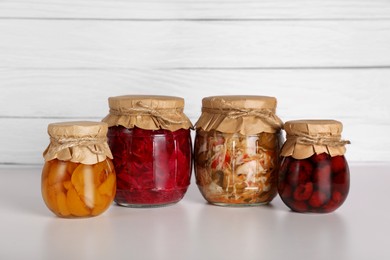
239,114
307,137
79,141
147,112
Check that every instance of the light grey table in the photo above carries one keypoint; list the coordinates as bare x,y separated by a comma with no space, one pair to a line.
192,229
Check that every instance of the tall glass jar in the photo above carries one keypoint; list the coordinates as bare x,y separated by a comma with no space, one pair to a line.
150,139
237,150
314,174
78,178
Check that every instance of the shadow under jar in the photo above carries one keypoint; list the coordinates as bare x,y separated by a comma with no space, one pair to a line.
151,143
78,178
314,174
237,150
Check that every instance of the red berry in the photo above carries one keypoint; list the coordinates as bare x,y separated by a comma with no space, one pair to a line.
322,177
303,191
318,158
298,206
299,172
285,191
338,163
337,197
340,178
330,206
318,199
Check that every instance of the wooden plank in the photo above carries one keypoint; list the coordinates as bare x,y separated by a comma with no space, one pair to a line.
355,94
193,9
189,44
26,139
359,98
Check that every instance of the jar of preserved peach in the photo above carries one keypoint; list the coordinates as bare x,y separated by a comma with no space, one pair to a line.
237,150
150,139
78,178
314,174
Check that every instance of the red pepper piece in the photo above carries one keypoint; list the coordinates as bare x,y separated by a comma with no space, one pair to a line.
303,191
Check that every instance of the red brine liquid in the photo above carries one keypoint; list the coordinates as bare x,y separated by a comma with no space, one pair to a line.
153,167
318,184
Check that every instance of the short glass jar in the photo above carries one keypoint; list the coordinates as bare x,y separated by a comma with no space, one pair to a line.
78,177
314,174
151,142
237,150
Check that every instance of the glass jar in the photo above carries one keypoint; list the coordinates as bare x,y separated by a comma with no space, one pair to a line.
237,150
314,174
150,139
78,177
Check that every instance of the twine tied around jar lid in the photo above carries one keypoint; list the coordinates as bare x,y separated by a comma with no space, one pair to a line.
265,114
89,142
147,112
328,140
80,142
307,137
242,114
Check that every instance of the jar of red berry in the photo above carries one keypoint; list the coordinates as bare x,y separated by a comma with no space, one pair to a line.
150,139
314,174
237,150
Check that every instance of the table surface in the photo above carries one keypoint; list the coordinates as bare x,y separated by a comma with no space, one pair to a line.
193,229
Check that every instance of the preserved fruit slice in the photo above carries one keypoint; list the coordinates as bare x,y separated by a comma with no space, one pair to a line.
88,190
76,205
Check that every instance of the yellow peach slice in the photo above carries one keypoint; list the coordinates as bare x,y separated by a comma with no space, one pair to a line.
104,204
106,188
67,184
71,166
49,195
62,204
82,177
101,170
75,204
57,172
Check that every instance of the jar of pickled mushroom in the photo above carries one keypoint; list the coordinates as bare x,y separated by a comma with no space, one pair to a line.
237,150
78,178
150,139
314,174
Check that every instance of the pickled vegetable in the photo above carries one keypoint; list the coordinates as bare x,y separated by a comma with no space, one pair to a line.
233,169
153,167
78,190
318,184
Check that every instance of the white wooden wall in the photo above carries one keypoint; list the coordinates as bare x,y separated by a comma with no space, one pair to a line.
61,59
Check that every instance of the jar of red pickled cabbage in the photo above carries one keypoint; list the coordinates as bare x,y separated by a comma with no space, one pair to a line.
150,139
236,151
78,178
314,174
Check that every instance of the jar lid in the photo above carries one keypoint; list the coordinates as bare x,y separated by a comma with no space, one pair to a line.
307,137
250,102
122,103
239,114
78,141
147,112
